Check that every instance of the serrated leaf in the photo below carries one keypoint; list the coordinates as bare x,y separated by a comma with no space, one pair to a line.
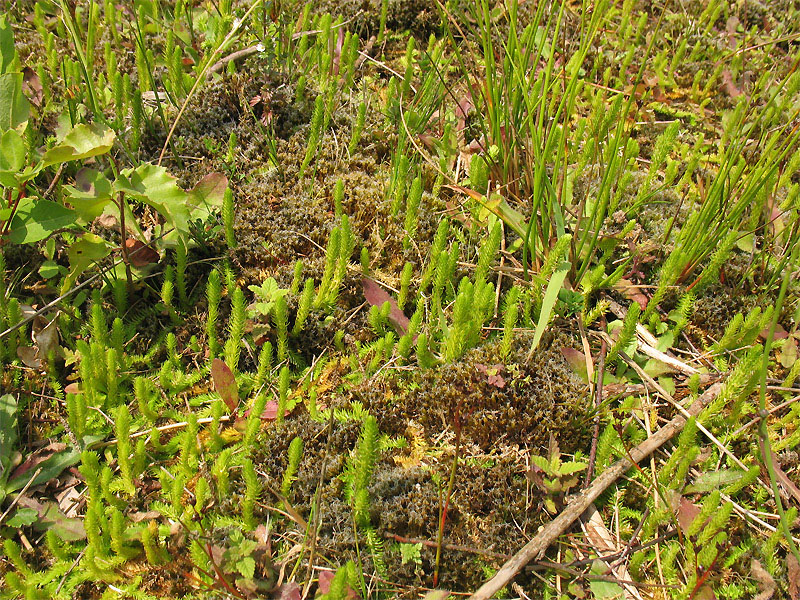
714,480
154,186
14,106
83,141
37,219
22,518
568,468
225,384
246,566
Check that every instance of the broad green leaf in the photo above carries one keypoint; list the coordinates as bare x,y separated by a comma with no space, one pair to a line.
83,141
37,219
14,106
12,151
7,51
50,467
87,250
8,428
90,194
152,185
206,195
549,301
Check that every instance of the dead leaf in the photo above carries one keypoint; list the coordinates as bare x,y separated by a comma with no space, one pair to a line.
225,384
728,84
32,86
493,375
45,340
730,29
686,512
209,191
107,221
631,292
377,296
270,411
287,591
140,254
140,516
766,584
576,360
793,575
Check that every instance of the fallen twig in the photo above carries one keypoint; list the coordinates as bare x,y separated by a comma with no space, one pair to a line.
550,532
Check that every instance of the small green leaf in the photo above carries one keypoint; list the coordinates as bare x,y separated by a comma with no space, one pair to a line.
12,151
246,566
714,480
14,107
22,518
604,590
83,141
37,219
49,268
8,429
549,301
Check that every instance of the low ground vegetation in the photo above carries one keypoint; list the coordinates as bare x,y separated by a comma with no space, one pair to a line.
351,299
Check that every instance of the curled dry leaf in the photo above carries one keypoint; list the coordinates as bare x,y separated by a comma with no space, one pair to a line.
140,254
45,341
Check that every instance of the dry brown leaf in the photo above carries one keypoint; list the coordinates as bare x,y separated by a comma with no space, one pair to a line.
377,296
766,584
793,575
140,254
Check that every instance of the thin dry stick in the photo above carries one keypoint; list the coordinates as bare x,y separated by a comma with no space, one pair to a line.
550,532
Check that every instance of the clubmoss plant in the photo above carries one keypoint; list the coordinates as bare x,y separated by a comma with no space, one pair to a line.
283,393
304,306
358,128
233,346
314,134
289,476
122,426
251,493
228,218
